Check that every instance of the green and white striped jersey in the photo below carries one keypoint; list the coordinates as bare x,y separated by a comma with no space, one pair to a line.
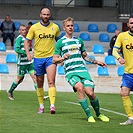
22,57
74,47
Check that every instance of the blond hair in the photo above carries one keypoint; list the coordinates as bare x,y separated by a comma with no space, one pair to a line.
68,19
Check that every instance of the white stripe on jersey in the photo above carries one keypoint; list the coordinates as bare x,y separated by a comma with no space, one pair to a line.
76,71
75,66
73,60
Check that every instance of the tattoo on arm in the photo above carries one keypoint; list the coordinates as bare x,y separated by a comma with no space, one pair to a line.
89,59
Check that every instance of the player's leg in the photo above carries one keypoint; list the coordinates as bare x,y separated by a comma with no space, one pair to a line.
40,71
21,70
14,86
83,101
75,82
51,72
32,74
89,90
95,104
127,86
40,93
34,79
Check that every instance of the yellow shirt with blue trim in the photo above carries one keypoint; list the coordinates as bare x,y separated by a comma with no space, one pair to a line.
125,41
44,39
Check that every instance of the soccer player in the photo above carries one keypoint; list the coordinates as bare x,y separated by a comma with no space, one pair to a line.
125,41
23,64
71,51
44,33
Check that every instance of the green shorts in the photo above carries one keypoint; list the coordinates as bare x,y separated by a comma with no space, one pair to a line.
23,69
83,77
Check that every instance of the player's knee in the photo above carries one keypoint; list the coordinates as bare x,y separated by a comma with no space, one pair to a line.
20,80
80,89
39,84
51,83
123,94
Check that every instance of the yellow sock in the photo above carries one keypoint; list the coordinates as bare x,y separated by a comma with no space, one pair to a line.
52,94
127,106
40,94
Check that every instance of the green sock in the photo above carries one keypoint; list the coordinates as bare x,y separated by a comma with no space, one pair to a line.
35,86
84,105
13,86
95,105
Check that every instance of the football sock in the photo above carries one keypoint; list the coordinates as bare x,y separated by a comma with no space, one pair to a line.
40,94
35,86
13,86
127,106
52,94
42,106
95,105
85,106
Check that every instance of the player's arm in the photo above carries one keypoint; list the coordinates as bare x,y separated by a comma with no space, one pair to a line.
89,59
116,49
26,46
57,59
117,56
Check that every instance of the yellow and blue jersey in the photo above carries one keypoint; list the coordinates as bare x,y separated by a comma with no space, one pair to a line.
125,41
44,39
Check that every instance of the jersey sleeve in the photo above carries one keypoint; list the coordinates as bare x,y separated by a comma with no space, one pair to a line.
58,47
117,46
82,45
118,41
30,34
58,32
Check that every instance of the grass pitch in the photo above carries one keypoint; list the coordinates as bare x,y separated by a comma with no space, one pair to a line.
20,115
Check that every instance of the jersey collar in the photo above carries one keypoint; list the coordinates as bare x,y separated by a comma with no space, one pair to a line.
130,33
45,25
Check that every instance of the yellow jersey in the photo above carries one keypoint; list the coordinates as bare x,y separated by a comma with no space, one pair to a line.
44,39
125,41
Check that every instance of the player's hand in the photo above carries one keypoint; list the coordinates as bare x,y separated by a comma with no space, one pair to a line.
66,56
100,63
29,57
32,54
121,61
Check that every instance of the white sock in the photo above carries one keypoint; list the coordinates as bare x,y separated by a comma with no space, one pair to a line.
52,105
42,106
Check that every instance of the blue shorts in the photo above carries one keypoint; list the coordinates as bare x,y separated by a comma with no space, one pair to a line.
41,64
127,81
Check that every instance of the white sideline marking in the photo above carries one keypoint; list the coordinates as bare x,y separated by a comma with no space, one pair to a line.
114,112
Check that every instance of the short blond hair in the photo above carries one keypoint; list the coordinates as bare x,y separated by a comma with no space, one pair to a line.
68,19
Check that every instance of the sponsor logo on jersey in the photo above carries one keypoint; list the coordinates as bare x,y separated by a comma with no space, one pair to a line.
88,82
41,36
129,46
73,49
